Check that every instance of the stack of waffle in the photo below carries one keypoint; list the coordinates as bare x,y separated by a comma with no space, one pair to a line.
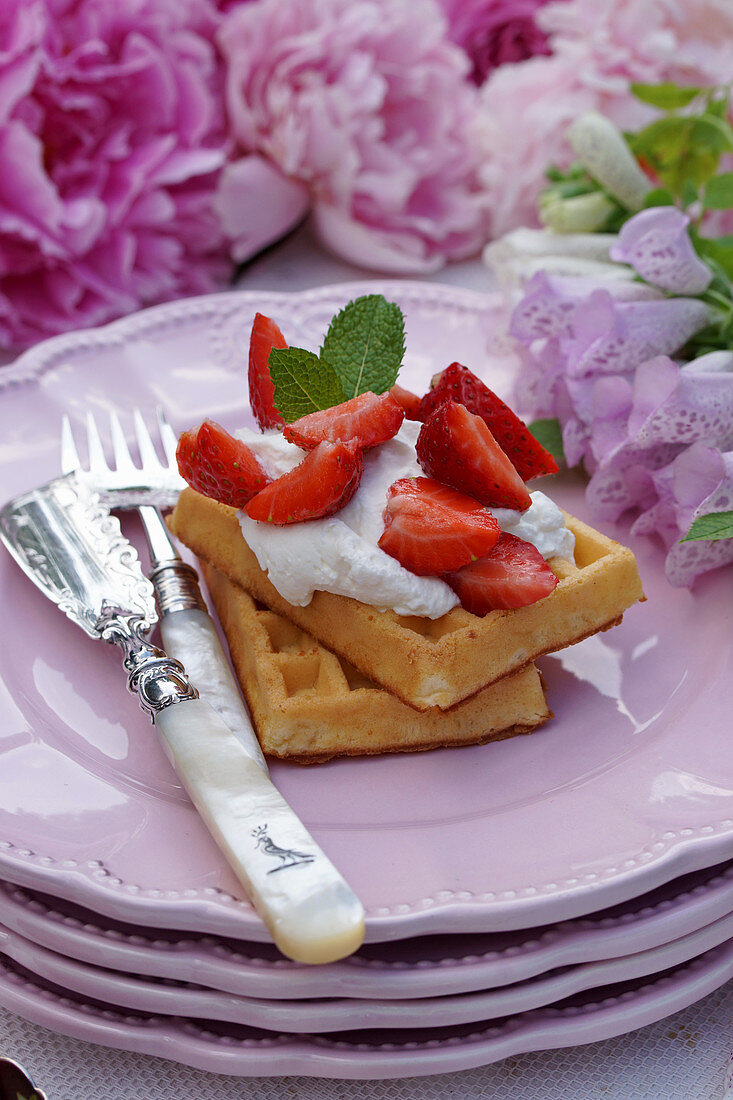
340,678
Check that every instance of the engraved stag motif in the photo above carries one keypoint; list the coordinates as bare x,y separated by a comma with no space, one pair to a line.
289,856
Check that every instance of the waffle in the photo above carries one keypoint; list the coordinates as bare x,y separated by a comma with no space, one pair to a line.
431,662
308,705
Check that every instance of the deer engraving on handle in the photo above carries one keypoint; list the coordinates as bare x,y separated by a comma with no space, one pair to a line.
289,857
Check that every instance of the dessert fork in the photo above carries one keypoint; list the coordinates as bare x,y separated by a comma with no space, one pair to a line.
187,630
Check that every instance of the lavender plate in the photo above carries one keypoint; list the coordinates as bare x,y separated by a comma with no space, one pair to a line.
378,1053
629,786
426,967
168,998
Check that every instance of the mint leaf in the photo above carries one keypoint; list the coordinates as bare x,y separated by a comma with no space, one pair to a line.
713,526
365,344
665,96
549,434
303,383
719,192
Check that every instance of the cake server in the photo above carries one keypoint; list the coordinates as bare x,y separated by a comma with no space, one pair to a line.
73,550
186,627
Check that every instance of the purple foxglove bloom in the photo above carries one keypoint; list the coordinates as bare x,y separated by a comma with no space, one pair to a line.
549,303
673,405
697,483
613,337
657,245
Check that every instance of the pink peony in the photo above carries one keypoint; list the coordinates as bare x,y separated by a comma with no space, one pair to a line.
367,106
495,32
111,138
598,48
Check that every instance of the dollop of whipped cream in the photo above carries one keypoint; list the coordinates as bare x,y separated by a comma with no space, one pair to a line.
339,554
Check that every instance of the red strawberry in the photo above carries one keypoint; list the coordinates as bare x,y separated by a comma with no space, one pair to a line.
320,485
427,526
409,401
368,419
265,336
512,574
513,436
455,446
216,464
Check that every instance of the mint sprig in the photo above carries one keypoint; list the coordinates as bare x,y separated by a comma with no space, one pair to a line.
303,383
365,344
711,527
362,350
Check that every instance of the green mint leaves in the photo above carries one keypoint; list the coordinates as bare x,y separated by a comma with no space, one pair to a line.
362,350
303,384
713,526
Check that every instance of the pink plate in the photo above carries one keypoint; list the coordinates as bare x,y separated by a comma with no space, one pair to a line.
630,785
227,1048
426,967
167,998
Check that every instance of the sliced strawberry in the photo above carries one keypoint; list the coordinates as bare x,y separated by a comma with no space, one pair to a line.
513,436
455,446
512,574
320,485
264,337
216,464
427,526
408,400
368,419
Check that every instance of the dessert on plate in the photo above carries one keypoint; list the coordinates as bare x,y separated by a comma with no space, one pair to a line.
383,574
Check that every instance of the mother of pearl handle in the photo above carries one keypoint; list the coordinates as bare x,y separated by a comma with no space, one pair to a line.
310,911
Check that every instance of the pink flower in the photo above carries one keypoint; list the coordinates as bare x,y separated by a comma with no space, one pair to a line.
697,483
495,32
598,48
111,138
657,245
367,106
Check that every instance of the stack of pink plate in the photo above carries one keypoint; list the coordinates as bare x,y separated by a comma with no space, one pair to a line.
540,892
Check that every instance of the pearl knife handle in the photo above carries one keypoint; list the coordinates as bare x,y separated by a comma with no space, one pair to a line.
310,911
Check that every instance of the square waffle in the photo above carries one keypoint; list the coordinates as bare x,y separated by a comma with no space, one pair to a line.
430,662
309,705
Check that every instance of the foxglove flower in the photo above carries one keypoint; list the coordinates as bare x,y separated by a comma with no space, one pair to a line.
699,482
601,149
657,245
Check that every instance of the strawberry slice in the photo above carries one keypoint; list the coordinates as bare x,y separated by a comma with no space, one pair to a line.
513,436
216,464
264,337
429,528
320,485
408,400
455,446
512,574
368,419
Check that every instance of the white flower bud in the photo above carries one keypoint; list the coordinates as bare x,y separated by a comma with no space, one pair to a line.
601,149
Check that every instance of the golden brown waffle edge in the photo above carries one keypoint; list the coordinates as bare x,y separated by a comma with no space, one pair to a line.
430,663
308,705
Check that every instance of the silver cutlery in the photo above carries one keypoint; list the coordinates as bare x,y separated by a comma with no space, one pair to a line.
15,1082
69,545
186,627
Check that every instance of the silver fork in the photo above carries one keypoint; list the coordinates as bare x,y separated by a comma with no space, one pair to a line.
188,632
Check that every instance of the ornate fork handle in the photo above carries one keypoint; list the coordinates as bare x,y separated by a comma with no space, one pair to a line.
158,680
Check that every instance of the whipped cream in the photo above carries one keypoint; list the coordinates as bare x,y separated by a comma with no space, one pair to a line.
339,554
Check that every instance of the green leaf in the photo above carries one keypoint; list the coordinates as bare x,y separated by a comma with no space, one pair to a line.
668,97
303,383
549,434
681,149
365,344
713,526
689,194
719,192
659,196
718,252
